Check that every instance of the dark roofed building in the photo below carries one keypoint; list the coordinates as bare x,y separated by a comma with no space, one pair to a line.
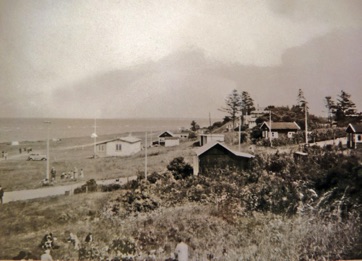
354,135
216,155
279,129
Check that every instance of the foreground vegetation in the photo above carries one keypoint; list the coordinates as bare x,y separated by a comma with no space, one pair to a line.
284,208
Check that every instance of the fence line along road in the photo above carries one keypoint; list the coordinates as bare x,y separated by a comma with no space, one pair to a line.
55,190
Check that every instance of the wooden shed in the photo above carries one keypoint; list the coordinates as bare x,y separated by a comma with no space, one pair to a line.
354,135
211,138
216,155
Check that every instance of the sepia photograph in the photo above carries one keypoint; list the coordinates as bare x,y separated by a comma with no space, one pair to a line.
181,130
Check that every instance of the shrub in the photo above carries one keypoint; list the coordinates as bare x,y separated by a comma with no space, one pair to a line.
90,186
179,168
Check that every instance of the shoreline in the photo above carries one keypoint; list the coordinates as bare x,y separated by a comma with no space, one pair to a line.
103,137
32,130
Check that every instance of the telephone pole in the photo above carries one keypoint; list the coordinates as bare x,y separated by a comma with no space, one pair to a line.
240,130
146,155
94,136
270,129
306,123
48,156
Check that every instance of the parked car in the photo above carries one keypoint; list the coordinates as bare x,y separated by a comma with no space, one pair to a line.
36,156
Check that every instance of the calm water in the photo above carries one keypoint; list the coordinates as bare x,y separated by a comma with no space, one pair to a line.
33,129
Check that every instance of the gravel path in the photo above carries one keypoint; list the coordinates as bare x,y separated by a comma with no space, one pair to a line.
54,190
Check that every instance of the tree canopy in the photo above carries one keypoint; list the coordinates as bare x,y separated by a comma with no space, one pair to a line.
247,103
342,111
233,105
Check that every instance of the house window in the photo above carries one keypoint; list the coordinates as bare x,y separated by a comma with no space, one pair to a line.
118,147
359,137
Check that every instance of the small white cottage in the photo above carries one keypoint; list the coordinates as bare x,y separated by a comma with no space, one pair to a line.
168,139
124,146
207,138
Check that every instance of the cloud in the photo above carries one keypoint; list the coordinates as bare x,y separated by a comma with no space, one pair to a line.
189,84
57,47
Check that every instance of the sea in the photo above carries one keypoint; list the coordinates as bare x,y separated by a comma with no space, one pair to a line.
37,129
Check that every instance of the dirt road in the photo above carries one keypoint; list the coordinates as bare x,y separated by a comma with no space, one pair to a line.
54,190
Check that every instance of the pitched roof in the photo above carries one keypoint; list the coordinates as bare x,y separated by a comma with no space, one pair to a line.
210,145
168,132
356,128
282,125
129,139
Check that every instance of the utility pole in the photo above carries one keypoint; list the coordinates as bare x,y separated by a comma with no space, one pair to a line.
48,156
306,123
146,155
240,131
270,129
94,136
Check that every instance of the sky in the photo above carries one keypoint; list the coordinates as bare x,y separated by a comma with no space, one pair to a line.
172,58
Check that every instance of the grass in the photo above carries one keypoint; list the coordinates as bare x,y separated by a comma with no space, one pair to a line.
206,231
213,232
16,173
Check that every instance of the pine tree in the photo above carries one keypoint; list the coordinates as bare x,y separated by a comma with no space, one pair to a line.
331,107
345,104
302,102
233,105
247,103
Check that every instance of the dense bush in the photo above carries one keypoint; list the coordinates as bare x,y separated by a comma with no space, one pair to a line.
179,168
90,186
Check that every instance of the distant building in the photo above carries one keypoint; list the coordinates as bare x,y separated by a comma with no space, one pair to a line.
207,138
168,139
119,147
183,135
279,129
216,155
354,135
250,120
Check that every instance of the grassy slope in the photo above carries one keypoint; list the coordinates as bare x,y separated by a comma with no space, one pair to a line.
17,173
208,228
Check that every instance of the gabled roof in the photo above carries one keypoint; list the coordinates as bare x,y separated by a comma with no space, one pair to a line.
210,145
281,125
356,128
128,139
168,132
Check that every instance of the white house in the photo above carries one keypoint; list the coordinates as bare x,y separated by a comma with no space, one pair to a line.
168,139
206,138
124,146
